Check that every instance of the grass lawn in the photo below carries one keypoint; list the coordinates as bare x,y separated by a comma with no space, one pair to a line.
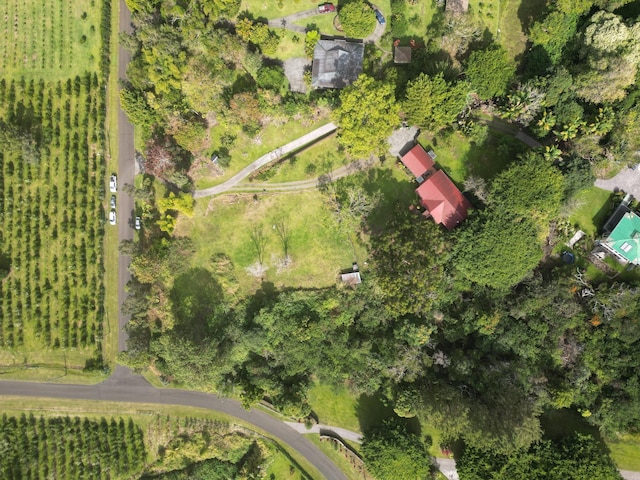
274,9
591,208
288,48
224,225
625,452
459,158
319,158
247,150
517,17
52,40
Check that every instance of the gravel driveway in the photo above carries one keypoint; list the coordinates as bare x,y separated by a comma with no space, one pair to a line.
627,180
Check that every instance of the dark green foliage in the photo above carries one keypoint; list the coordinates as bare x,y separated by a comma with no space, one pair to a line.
573,458
490,72
433,103
272,78
554,32
498,249
391,452
54,445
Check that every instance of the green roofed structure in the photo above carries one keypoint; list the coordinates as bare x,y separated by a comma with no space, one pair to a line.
624,240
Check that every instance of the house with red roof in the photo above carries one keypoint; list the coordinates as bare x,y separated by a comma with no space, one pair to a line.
442,200
418,162
439,196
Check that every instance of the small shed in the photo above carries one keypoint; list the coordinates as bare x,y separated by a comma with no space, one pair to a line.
402,55
351,278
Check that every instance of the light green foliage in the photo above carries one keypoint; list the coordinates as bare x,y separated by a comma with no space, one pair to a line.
611,53
574,6
204,83
625,137
524,103
554,32
310,40
490,72
220,8
434,103
529,187
391,453
366,116
183,203
357,19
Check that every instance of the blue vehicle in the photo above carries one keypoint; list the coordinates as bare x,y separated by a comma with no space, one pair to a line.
380,17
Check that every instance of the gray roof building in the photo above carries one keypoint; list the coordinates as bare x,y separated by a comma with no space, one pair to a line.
336,63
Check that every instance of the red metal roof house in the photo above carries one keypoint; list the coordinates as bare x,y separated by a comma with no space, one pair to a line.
418,161
442,200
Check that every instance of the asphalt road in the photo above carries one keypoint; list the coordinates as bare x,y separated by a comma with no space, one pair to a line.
123,386
126,173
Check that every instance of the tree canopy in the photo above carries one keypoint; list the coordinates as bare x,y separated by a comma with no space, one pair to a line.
366,116
432,102
490,72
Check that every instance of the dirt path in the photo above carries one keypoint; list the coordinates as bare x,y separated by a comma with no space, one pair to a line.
287,22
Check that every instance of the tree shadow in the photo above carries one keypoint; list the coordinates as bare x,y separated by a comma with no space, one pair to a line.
196,299
395,196
558,424
532,11
373,411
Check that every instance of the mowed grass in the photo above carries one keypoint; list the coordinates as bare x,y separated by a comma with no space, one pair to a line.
625,452
225,225
459,158
49,39
247,150
591,208
318,159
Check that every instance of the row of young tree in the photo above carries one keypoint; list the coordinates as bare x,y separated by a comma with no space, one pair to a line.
64,447
51,202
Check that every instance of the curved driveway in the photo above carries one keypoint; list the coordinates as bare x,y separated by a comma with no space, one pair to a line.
126,387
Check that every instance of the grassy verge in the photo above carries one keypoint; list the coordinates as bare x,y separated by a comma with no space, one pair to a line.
110,349
337,457
286,460
625,452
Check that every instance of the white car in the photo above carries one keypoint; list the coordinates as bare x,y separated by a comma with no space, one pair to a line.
112,217
113,184
138,223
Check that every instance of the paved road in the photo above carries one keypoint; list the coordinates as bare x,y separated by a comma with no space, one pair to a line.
126,172
126,387
297,144
627,180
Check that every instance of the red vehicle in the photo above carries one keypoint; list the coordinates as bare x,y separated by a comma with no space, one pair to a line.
326,8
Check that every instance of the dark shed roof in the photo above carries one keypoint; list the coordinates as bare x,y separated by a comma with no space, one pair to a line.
336,63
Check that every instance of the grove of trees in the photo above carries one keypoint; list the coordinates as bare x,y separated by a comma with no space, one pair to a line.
449,327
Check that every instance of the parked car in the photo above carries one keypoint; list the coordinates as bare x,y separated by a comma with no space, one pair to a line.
138,223
113,183
380,17
326,8
113,202
112,217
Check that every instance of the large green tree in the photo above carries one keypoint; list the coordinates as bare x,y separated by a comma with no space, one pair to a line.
357,19
434,103
366,116
490,71
391,452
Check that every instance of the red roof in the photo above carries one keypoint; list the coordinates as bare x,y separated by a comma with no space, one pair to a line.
442,200
417,161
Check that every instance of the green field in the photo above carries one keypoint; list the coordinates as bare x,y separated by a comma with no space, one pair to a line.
224,225
52,158
50,40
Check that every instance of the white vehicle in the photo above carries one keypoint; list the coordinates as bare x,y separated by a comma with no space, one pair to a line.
138,224
113,183
112,217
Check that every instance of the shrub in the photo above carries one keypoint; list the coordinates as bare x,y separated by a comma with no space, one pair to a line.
357,19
